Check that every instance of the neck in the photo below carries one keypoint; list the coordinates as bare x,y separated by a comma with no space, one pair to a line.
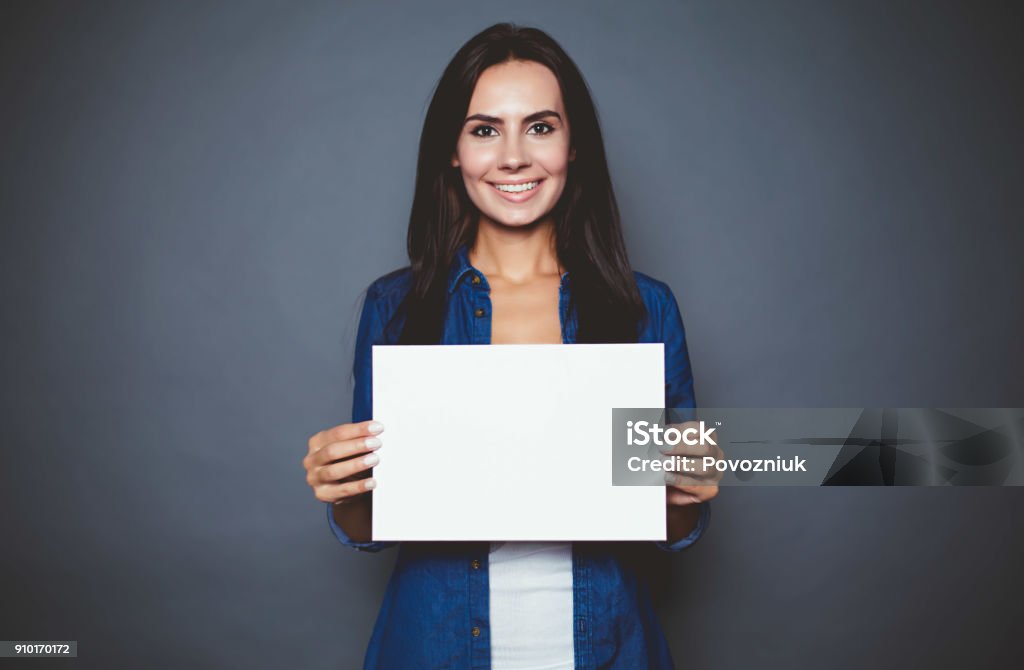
517,254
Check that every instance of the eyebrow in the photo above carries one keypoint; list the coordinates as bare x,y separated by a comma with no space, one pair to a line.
536,116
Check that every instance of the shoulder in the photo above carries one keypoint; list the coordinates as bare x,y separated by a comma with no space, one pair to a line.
394,283
656,294
663,321
381,305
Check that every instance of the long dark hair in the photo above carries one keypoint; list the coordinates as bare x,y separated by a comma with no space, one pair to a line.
588,234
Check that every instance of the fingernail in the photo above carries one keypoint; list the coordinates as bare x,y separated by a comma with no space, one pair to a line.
371,443
372,459
694,499
671,478
370,484
375,427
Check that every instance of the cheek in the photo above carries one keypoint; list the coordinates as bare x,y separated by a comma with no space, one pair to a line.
555,160
475,162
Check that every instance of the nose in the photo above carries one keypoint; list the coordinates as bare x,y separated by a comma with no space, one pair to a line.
513,154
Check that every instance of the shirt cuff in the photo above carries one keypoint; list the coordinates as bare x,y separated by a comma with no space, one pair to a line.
702,522
348,541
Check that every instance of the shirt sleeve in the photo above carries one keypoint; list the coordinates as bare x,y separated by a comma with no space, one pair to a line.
698,530
679,393
371,329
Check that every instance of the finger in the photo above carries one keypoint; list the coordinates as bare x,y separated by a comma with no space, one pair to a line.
705,467
713,472
676,497
343,469
691,468
704,493
346,431
335,492
692,442
677,480
337,451
697,451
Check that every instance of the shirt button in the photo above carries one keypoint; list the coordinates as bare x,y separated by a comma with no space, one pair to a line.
476,279
475,564
475,631
479,312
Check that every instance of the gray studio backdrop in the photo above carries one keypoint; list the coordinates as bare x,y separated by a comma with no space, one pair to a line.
194,196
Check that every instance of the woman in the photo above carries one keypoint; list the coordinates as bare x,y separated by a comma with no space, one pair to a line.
514,237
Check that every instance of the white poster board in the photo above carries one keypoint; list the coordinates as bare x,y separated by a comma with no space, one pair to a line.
510,442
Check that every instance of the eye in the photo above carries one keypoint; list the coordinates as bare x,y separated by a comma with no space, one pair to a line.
477,133
547,128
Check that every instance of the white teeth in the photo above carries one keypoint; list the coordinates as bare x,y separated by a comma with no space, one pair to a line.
517,188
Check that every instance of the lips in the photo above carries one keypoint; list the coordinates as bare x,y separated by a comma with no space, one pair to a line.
520,196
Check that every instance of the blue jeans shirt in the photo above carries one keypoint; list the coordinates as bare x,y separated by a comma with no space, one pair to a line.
436,607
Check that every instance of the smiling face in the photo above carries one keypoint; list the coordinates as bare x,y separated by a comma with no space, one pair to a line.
513,149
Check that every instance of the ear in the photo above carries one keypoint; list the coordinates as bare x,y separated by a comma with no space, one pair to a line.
572,155
455,161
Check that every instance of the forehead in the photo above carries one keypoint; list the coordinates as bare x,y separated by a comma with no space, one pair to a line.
516,88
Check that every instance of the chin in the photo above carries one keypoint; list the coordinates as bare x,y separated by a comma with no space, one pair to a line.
518,219
516,222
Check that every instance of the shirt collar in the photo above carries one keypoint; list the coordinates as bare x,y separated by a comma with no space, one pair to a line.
460,266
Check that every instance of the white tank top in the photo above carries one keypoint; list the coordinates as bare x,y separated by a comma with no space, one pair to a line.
531,605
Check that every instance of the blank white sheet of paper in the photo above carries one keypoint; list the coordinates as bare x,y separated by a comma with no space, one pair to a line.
510,442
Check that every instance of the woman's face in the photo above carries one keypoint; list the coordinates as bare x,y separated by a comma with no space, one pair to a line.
513,149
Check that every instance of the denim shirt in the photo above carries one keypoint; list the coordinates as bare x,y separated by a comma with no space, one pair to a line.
436,606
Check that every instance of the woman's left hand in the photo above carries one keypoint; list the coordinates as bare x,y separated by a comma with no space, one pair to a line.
699,483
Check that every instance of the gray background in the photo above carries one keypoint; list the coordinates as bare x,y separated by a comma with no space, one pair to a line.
194,195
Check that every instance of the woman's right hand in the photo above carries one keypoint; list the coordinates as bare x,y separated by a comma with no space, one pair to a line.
338,456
